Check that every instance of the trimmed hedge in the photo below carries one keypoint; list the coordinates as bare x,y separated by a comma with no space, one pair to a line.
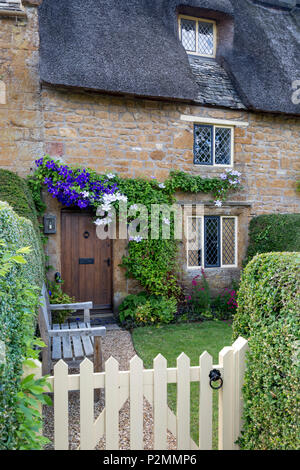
268,315
274,232
20,232
18,309
15,191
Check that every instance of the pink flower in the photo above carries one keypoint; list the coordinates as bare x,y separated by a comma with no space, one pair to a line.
194,282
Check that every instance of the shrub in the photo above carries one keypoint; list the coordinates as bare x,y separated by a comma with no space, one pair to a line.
15,191
20,232
225,304
268,314
19,399
274,232
145,309
199,300
57,296
20,284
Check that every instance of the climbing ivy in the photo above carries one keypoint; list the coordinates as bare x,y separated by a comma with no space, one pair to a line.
151,262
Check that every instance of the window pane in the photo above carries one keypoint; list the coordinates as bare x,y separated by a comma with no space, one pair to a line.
222,146
228,241
203,145
188,34
194,242
205,38
212,232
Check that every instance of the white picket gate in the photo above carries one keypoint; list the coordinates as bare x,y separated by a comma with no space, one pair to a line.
138,383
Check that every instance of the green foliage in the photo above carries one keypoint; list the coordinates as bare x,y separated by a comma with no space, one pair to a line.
35,187
274,232
145,309
14,190
19,425
57,296
268,314
20,232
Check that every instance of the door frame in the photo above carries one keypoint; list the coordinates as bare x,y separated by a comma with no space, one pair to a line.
76,210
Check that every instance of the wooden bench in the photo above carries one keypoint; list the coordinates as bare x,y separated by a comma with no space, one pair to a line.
71,341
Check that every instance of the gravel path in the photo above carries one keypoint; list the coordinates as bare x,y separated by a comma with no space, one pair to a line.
117,343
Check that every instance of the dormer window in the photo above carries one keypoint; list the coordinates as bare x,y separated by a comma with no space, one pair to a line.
198,36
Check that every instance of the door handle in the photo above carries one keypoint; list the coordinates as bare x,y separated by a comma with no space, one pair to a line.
107,261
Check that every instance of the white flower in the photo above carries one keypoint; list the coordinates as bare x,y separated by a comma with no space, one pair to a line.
223,176
232,182
136,239
166,221
106,207
105,221
110,176
218,203
134,207
161,186
85,194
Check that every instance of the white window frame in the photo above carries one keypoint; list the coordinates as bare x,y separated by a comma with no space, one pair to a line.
222,266
201,20
214,164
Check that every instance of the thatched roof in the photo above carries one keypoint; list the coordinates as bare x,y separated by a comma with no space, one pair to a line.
132,47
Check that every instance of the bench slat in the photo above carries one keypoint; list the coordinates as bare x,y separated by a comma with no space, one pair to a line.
66,342
78,351
86,341
56,345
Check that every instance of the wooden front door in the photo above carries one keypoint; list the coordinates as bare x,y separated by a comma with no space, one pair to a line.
86,260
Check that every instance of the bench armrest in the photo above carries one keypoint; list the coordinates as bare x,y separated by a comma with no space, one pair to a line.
101,331
77,306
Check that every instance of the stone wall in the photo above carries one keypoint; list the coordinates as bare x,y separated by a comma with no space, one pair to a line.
21,117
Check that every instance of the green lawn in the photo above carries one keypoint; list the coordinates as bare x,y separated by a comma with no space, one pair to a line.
192,339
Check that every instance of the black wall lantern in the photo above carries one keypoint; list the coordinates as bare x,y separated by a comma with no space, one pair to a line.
49,224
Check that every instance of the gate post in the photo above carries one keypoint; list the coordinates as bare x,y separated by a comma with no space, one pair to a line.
226,400
240,347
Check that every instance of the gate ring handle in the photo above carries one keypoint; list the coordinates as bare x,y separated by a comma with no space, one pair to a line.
86,234
215,376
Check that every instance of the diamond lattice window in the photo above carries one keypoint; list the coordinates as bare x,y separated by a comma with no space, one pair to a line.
194,242
228,241
205,38
212,145
212,235
188,34
222,145
212,241
203,145
198,36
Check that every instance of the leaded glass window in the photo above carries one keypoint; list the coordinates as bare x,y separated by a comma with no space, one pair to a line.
194,242
205,38
213,145
203,145
222,145
212,242
228,241
198,36
188,34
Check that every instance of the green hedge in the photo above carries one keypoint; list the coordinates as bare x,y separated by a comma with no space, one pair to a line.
268,314
20,232
15,191
19,291
274,232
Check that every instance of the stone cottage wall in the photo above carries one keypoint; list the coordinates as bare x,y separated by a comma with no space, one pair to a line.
21,117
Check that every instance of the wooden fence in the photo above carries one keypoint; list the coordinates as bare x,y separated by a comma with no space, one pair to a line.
138,383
